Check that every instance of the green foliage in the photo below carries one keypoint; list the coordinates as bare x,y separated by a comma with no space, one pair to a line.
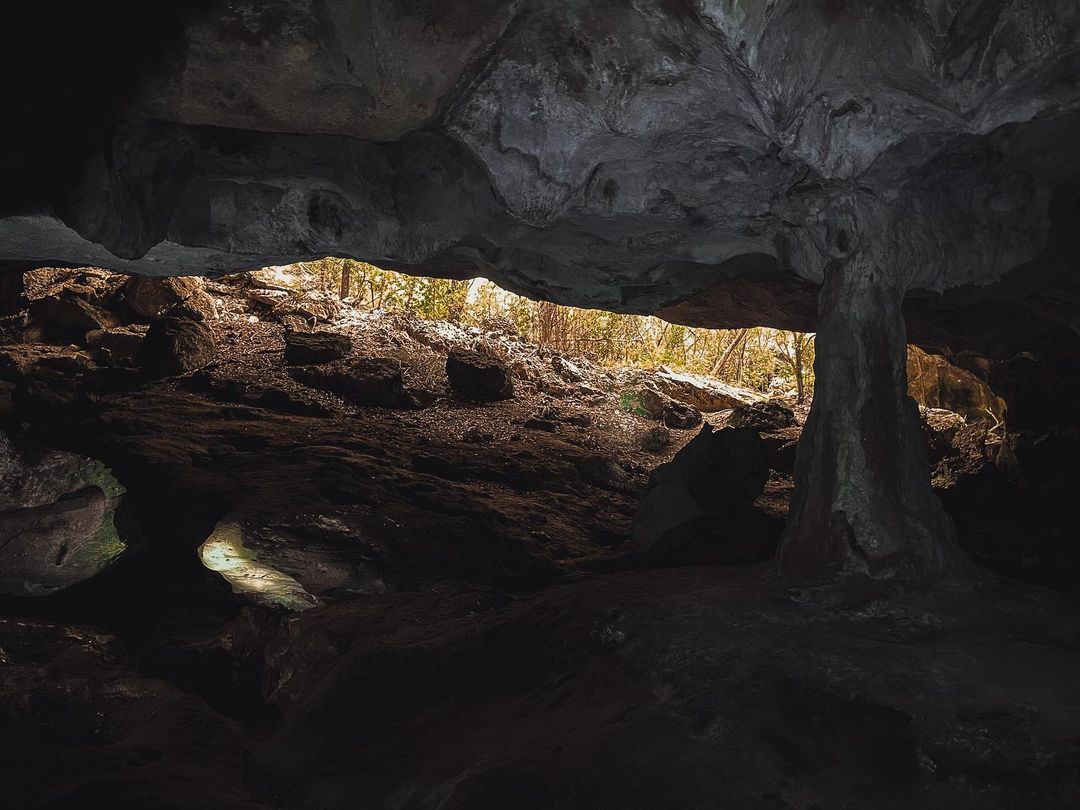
758,358
630,401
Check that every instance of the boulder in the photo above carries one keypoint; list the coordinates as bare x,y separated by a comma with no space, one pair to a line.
149,297
678,416
36,360
56,519
763,417
566,369
934,382
116,345
650,403
199,307
312,348
175,346
375,381
701,493
92,284
476,377
706,394
67,317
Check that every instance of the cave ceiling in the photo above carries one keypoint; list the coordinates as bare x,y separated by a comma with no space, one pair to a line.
686,157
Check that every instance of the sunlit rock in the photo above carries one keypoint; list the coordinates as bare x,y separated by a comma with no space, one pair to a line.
57,515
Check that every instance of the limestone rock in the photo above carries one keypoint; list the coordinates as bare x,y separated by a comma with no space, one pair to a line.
375,381
118,344
762,416
151,297
92,284
934,382
68,317
56,519
311,348
678,416
176,346
706,394
698,494
35,360
476,377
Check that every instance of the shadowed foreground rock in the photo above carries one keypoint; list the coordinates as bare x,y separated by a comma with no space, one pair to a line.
704,497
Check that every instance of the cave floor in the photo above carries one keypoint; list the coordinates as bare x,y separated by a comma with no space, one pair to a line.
690,687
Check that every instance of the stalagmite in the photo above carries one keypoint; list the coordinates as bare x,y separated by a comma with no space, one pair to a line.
863,501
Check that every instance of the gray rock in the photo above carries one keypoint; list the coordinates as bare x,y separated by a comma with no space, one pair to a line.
681,417
762,416
56,519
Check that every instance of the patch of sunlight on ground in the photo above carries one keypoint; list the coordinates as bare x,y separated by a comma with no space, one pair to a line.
224,553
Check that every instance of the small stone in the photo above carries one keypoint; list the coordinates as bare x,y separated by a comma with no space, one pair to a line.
678,416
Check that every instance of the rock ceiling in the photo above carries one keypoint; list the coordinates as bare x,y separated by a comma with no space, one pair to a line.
683,156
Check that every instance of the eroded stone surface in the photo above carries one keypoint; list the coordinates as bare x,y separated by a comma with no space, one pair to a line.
622,155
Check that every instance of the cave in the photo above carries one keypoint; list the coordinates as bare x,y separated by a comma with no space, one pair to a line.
276,547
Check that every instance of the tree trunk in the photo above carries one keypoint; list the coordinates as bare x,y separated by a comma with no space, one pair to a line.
863,501
346,278
722,361
799,370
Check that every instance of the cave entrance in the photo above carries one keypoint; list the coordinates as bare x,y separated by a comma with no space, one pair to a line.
362,427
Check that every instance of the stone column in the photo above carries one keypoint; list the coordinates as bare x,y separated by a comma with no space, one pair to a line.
863,501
